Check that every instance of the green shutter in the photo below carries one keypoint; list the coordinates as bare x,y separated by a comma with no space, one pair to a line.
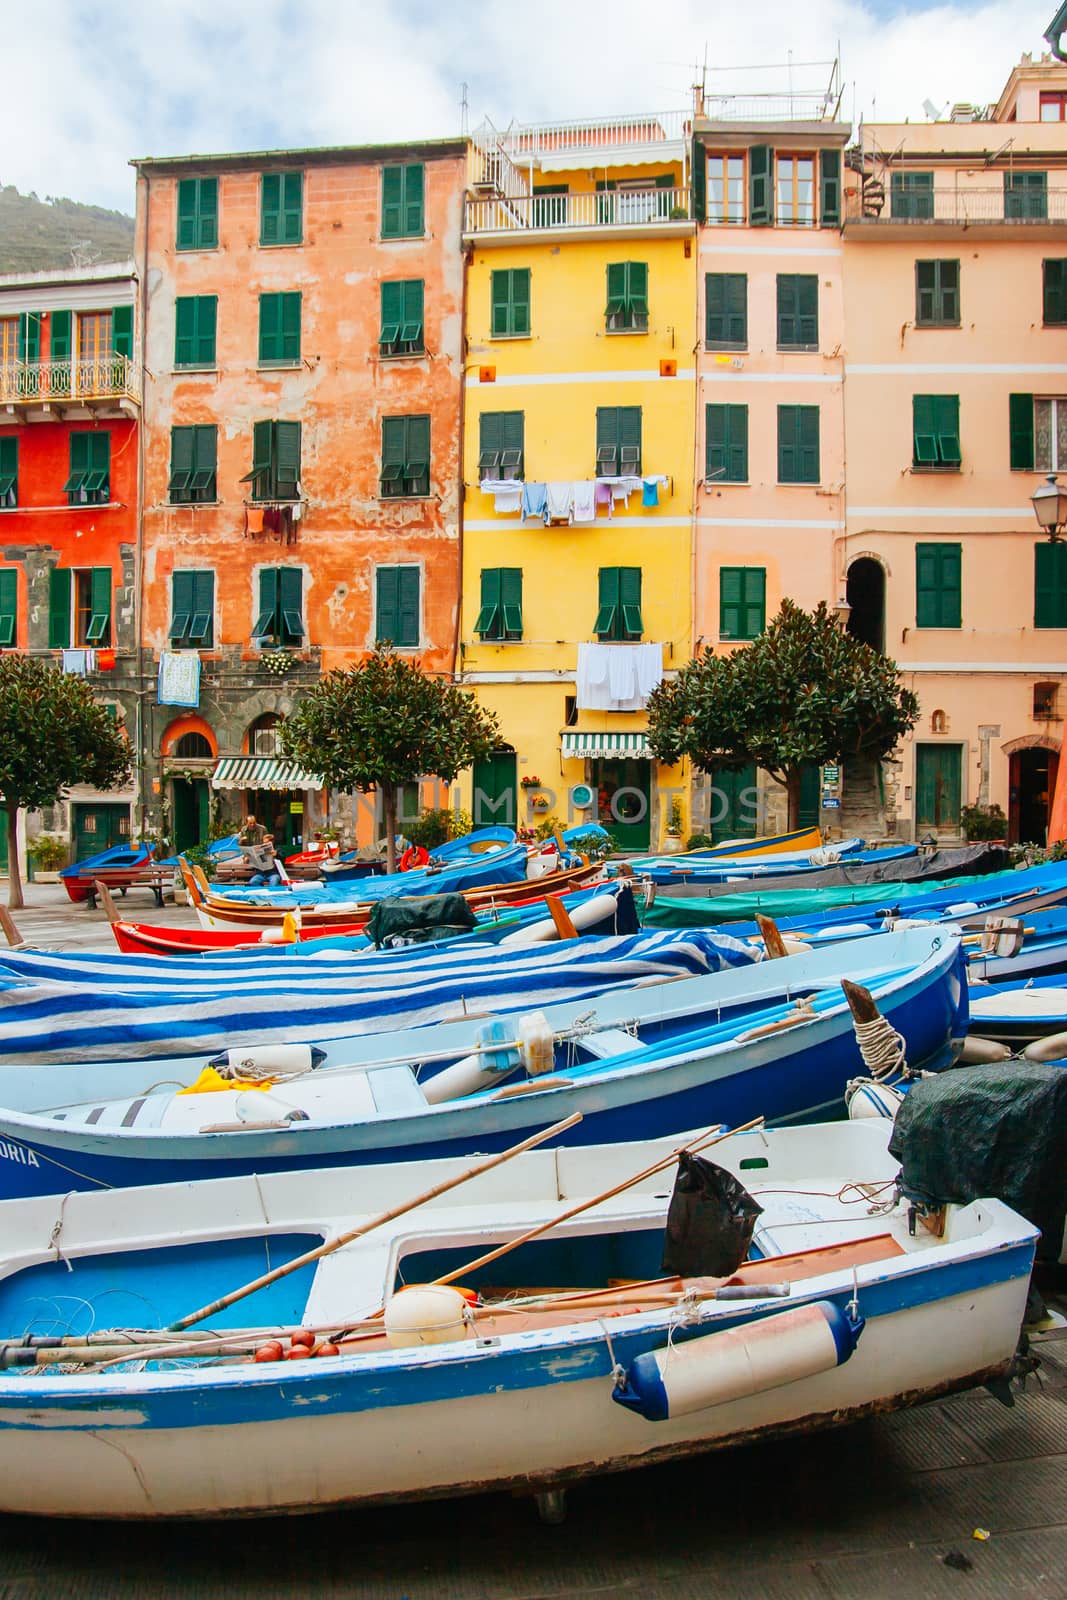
742,602
392,202
268,624
637,288
607,603
61,335
195,318
279,327
1021,432
386,621
798,311
9,471
936,430
938,595
630,619
393,456
755,601
414,194
1054,279
726,309
830,188
760,187
407,604
291,306
911,196
208,220
58,608
182,462
414,315
286,459
30,337
489,622
292,207
186,238
281,208
500,308
9,599
1026,195
1050,584
201,631
99,631
630,437
392,315
798,444
182,591
198,211
520,300
699,168
511,601
730,602
417,463
270,207
291,604
616,305
207,306
726,443
510,303
122,331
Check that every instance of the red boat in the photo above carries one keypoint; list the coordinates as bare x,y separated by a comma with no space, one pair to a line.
142,938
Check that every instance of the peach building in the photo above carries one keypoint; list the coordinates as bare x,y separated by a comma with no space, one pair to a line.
955,301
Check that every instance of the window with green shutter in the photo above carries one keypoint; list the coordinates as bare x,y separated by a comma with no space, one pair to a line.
627,306
1021,432
90,590
195,321
760,186
938,599
405,457
279,329
401,331
281,208
89,482
1026,196
275,473
9,607
60,337
509,304
193,465
500,616
280,621
198,214
726,310
911,196
1054,292
726,444
798,444
936,432
798,311
397,606
122,331
9,471
30,337
403,201
1050,584
501,444
937,294
742,602
619,606
618,441
192,608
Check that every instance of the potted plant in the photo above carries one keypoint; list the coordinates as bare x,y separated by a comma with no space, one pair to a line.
673,840
46,854
983,822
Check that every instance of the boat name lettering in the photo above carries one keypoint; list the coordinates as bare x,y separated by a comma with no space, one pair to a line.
18,1152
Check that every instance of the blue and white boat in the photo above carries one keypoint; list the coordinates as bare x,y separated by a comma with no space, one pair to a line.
715,868
426,1391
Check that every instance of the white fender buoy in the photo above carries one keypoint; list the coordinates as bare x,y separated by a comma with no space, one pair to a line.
424,1313
865,1098
1054,1048
263,1060
795,947
711,1371
483,1070
979,1052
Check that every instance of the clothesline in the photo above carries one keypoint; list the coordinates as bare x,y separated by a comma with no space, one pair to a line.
574,501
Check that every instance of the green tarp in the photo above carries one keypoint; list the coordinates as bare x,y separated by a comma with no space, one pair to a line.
699,911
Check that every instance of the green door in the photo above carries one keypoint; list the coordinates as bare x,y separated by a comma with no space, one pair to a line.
623,804
494,791
810,795
938,769
733,804
99,825
274,808
190,812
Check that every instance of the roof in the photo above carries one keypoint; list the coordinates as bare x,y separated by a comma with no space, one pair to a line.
99,272
324,155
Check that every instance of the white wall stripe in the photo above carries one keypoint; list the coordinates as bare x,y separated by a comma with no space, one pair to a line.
765,250
863,369
530,379
955,513
739,375
766,522
618,524
951,668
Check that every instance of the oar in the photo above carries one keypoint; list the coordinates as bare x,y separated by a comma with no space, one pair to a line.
375,1222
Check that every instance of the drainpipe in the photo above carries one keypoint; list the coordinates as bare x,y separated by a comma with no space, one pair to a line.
138,597
466,252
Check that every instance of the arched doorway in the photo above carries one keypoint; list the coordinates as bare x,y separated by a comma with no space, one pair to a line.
865,593
188,757
494,801
1031,782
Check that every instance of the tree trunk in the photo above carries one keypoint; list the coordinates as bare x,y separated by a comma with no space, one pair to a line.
14,877
792,789
389,806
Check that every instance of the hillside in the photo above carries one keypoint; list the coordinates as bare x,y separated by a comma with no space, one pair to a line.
36,235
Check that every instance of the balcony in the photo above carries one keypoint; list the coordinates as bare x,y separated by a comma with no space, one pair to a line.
986,207
614,211
45,391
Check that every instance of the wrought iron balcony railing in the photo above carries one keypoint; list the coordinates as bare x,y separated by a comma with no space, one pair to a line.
962,206
608,208
110,377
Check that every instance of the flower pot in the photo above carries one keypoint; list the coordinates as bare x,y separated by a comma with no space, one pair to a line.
672,844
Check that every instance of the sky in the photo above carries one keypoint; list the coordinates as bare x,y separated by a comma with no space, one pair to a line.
88,85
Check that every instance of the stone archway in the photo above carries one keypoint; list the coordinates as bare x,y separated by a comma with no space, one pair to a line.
1033,764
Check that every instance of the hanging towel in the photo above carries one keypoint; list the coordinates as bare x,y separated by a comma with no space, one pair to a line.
179,678
650,492
622,676
591,683
649,668
584,501
506,501
604,496
533,500
74,662
619,490
558,500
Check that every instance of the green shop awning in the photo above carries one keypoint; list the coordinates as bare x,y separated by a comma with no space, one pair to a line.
583,746
261,772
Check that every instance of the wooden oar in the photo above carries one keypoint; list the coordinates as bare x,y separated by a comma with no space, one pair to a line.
375,1222
11,932
771,935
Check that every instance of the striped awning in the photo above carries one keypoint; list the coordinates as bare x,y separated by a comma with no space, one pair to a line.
580,746
261,772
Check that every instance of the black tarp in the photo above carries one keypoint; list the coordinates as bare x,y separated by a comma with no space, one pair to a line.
414,919
996,1131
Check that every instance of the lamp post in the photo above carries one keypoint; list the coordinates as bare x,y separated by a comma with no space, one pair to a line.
842,611
1050,506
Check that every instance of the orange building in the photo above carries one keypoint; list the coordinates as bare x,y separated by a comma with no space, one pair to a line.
302,316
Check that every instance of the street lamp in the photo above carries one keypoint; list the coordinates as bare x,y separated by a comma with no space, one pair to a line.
842,611
1050,506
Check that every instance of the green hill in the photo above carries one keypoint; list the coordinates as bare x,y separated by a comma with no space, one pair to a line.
39,235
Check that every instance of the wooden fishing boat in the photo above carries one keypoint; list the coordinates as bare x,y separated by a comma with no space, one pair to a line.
120,866
717,867
147,1353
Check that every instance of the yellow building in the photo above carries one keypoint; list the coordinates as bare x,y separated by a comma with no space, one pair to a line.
578,465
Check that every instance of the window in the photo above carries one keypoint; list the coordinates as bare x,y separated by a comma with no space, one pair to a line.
263,735
405,457
90,470
500,444
937,585
1050,585
1054,292
726,189
1052,105
726,444
279,329
618,441
403,191
798,444
281,208
9,601
401,332
1050,434
937,294
193,465
509,312
796,190
500,616
911,196
275,473
742,602
726,310
195,318
192,747
9,472
619,610
397,606
79,607
798,311
1026,195
1046,700
192,608
936,432
550,205
198,213
627,308
281,608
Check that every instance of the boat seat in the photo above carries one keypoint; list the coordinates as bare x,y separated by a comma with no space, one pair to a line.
395,1090
611,1042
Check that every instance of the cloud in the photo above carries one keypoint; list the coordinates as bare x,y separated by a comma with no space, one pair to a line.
87,88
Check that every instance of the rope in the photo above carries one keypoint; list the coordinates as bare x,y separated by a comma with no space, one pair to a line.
57,1229
882,1048
618,1371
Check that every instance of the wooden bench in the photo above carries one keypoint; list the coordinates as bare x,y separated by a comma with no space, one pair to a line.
153,876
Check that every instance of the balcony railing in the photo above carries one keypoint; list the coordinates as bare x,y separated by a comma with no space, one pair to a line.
781,106
110,377
611,208
964,206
